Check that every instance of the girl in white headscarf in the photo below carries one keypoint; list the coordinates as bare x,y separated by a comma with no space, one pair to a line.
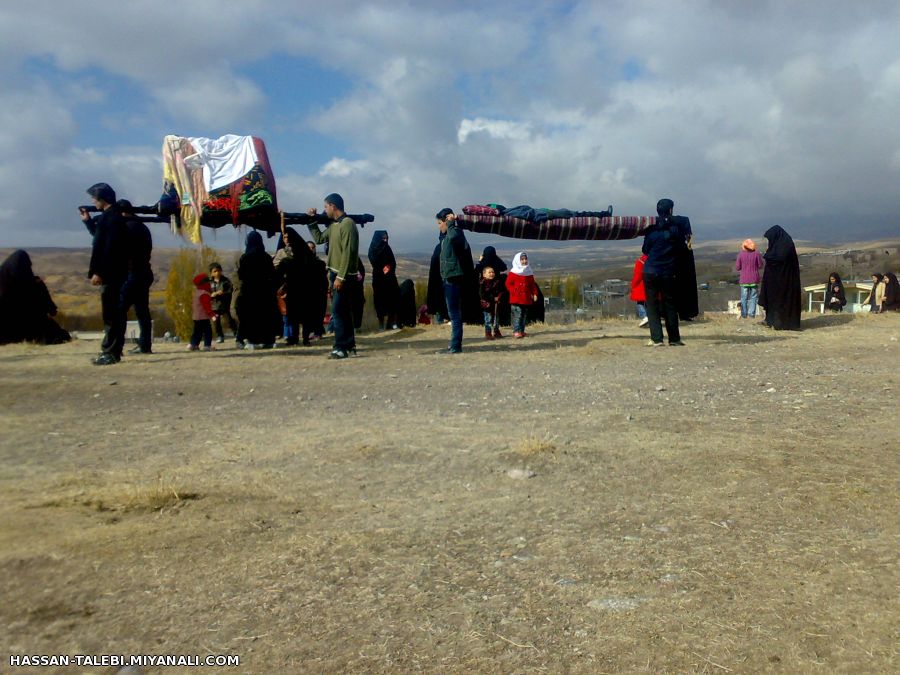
523,292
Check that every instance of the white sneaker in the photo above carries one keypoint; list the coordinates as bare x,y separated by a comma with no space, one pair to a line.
651,343
643,322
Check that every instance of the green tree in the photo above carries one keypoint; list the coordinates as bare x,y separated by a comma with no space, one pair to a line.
572,290
180,286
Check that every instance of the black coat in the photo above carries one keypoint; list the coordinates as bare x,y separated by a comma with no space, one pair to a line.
406,310
26,305
835,298
257,308
385,289
780,293
437,303
109,249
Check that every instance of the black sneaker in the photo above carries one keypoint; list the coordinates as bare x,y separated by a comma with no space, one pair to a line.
138,350
677,343
338,354
105,360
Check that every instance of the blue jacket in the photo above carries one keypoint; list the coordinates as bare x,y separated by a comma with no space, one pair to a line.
663,243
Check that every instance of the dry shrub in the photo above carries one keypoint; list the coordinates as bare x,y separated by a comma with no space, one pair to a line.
533,445
157,497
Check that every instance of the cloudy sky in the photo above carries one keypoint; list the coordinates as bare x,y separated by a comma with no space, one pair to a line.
745,113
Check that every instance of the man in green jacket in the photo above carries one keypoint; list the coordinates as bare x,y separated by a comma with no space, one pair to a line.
342,238
454,249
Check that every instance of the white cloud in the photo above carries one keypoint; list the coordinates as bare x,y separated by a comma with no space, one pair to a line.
502,129
739,111
342,168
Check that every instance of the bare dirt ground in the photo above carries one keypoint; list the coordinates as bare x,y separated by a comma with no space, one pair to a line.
728,506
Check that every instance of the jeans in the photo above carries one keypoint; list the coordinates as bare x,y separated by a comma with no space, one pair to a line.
202,331
113,319
641,311
518,317
342,314
661,305
749,296
491,321
136,293
453,296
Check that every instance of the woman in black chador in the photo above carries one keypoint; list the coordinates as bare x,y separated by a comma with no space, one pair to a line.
437,303
26,305
257,307
780,292
835,298
385,289
406,308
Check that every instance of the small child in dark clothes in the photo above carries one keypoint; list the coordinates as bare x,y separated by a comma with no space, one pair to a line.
203,314
221,291
491,290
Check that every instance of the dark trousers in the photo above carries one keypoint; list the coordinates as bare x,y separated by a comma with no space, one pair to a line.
342,313
217,322
136,293
661,305
453,296
202,331
113,319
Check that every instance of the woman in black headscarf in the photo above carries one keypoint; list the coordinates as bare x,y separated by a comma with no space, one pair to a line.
293,264
891,293
835,298
489,258
406,309
437,303
317,291
257,306
780,292
26,305
385,289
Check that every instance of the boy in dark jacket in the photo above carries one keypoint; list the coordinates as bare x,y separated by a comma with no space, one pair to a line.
490,290
221,291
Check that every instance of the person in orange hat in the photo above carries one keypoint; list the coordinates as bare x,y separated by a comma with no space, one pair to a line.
749,263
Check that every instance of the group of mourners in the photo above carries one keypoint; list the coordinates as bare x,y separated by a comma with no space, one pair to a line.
773,282
488,294
884,296
287,295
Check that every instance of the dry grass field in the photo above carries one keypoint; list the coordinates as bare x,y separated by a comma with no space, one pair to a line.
572,502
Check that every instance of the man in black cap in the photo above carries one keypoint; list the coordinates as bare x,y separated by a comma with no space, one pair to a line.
108,268
342,239
664,242
136,289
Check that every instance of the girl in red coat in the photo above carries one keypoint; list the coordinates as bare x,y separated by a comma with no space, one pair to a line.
523,292
638,294
202,312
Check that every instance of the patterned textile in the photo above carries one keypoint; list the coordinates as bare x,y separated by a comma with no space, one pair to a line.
479,210
251,200
559,229
187,182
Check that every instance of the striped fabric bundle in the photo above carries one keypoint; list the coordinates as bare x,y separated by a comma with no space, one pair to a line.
559,229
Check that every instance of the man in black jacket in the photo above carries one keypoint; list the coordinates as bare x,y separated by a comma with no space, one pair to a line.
664,242
108,268
136,289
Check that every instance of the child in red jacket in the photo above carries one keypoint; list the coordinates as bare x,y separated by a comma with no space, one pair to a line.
638,294
203,314
523,292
